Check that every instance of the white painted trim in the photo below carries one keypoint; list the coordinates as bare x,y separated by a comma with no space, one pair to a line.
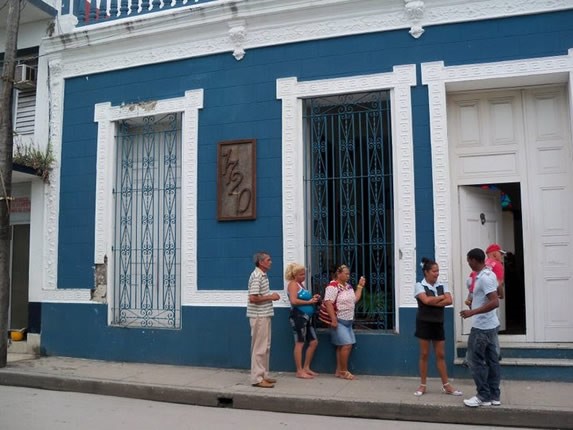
36,240
161,37
158,38
106,116
440,79
291,92
50,99
570,94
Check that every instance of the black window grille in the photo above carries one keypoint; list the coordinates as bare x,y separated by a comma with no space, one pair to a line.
349,198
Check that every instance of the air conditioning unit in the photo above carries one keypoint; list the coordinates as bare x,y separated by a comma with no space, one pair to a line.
25,77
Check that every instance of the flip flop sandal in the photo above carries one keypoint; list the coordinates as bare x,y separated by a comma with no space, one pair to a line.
347,375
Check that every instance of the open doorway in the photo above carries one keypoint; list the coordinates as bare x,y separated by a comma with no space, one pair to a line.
20,255
492,213
512,243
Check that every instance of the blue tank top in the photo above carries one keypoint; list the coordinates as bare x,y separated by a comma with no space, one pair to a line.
304,294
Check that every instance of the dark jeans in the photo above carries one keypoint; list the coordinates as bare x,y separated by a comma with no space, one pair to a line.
483,361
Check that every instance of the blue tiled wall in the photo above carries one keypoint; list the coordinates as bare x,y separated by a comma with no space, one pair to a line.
373,354
62,324
240,102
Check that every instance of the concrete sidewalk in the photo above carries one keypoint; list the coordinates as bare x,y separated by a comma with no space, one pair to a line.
529,404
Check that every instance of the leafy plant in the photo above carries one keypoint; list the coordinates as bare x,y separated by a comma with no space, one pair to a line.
371,308
30,156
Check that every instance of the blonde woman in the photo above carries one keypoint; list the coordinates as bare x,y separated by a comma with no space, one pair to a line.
302,309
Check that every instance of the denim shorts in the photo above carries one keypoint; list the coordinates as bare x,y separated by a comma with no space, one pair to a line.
302,326
343,333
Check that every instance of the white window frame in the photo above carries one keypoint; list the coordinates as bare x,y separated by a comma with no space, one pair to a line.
399,82
107,117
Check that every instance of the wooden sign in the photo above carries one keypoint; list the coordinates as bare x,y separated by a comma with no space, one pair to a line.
236,180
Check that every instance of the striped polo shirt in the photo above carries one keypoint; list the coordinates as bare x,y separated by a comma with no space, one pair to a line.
259,285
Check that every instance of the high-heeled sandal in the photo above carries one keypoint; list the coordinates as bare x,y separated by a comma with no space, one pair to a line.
421,392
451,393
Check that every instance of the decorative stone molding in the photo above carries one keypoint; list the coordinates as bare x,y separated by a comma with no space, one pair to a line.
106,116
238,34
415,12
441,79
292,92
67,295
125,44
52,190
270,23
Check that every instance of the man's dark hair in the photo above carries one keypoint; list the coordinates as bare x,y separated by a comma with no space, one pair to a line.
477,255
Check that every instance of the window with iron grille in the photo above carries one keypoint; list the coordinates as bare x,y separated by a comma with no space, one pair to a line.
147,238
349,198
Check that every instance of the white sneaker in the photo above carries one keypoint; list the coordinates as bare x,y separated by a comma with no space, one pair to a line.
474,402
495,403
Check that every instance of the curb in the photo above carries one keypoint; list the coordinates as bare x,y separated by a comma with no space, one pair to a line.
491,416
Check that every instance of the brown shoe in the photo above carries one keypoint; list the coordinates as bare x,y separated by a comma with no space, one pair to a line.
271,380
264,384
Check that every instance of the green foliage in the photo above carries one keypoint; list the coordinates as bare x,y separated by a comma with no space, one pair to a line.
30,156
371,309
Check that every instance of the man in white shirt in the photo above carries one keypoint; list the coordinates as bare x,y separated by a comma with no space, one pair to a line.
483,358
260,311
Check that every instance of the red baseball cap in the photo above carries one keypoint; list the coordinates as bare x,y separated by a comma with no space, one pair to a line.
494,247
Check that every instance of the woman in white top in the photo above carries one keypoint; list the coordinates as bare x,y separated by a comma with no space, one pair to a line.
432,298
341,293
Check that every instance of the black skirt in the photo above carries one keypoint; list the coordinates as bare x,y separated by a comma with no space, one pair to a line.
429,330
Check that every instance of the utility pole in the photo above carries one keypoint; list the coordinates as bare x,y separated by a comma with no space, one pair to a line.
6,143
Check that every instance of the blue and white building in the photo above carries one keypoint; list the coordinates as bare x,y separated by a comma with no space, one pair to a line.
381,131
27,188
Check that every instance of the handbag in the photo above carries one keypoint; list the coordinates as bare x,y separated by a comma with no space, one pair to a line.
323,315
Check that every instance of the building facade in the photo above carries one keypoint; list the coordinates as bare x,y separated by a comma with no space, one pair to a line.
366,133
27,187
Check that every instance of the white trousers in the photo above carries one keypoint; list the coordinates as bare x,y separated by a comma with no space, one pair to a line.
260,348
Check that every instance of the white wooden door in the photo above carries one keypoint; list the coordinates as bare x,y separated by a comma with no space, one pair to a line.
480,225
550,177
524,136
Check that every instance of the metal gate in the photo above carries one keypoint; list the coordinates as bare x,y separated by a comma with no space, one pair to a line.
147,265
349,186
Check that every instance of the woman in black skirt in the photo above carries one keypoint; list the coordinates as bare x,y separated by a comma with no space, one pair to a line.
432,297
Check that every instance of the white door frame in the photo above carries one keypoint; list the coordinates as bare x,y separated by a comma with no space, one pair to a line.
498,161
441,80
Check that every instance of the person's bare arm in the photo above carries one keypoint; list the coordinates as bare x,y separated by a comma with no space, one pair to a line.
500,289
330,309
359,287
445,300
491,304
429,300
259,298
292,289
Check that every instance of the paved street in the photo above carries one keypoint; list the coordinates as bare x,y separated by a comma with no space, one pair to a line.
33,409
538,404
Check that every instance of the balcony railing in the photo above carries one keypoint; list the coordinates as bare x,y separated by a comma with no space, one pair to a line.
97,11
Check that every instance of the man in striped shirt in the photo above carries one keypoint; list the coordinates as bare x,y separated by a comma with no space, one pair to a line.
259,312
